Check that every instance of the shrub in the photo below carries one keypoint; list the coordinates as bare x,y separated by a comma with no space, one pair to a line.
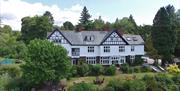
82,69
73,71
96,70
137,69
173,69
110,70
134,85
151,83
124,68
116,85
4,80
12,70
131,85
83,87
146,69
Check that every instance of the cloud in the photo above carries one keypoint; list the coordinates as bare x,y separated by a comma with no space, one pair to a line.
12,11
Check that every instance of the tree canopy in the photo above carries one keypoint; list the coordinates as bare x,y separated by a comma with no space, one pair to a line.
35,27
163,33
84,20
50,17
45,62
9,46
68,25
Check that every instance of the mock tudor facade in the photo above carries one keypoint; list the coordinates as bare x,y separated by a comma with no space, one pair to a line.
99,47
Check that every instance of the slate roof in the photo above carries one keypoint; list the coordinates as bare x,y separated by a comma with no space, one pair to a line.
77,38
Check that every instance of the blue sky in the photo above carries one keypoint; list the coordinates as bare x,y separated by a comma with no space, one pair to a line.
143,11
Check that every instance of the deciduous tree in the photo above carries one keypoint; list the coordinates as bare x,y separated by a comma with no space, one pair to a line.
45,62
35,27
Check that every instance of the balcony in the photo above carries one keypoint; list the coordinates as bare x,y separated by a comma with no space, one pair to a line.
75,51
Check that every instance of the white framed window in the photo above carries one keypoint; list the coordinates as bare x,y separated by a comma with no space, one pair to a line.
90,49
104,60
106,48
115,60
121,48
132,48
122,59
91,60
132,58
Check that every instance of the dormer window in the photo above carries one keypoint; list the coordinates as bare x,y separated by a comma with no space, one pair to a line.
134,38
89,38
128,38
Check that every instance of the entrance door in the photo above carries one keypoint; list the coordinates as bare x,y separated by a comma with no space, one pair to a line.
74,61
115,60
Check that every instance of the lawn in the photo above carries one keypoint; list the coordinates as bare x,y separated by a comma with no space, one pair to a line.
89,79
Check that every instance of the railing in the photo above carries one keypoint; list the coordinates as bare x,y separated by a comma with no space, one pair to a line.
75,53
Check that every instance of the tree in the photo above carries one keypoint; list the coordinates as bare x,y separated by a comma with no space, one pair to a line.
151,51
50,17
177,48
6,29
145,31
98,23
164,35
35,27
68,25
85,19
9,46
128,25
45,62
131,19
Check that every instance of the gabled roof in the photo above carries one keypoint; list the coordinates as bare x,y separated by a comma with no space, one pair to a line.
77,38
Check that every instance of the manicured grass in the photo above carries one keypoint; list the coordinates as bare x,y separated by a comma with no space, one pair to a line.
89,79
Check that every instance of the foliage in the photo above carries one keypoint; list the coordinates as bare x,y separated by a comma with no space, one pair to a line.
4,80
163,33
132,85
137,69
73,71
127,24
13,70
35,27
111,70
9,46
45,62
98,23
177,48
173,68
68,25
151,83
125,68
84,20
82,69
96,70
49,16
83,87
151,51
146,69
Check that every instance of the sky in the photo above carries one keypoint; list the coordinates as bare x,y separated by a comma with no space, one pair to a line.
143,11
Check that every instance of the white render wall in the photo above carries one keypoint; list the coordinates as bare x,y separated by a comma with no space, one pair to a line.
99,50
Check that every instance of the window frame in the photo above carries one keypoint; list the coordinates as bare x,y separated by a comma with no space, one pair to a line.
121,48
132,48
90,49
107,49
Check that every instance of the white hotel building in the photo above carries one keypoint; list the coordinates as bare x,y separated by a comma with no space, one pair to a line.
99,47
